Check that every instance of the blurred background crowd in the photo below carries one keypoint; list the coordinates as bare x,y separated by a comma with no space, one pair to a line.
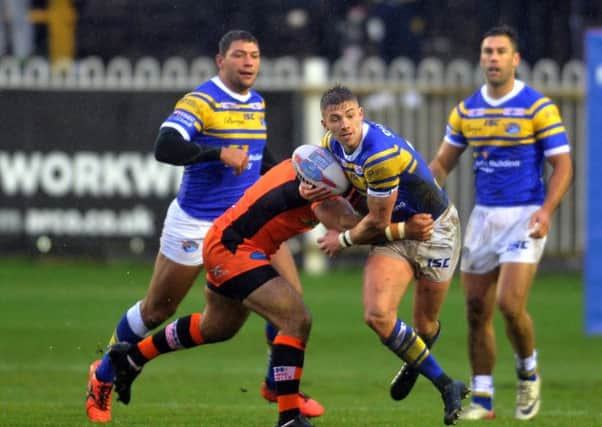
329,28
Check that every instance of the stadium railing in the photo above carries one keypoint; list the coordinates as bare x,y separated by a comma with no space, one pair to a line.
412,98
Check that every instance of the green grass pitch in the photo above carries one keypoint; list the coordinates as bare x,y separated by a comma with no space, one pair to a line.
55,315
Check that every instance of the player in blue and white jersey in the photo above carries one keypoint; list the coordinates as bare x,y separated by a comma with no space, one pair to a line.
397,184
218,133
512,130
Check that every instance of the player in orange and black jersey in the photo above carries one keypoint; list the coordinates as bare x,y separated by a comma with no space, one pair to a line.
240,280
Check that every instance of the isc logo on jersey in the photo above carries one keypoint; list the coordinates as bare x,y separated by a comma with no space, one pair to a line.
317,166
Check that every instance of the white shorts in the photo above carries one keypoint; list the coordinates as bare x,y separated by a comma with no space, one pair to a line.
437,258
182,236
497,235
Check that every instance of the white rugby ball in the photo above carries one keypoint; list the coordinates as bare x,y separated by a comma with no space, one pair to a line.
317,166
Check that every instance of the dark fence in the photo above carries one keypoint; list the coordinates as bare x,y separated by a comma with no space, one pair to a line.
78,175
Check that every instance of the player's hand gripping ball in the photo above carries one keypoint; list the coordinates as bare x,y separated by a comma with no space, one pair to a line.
317,166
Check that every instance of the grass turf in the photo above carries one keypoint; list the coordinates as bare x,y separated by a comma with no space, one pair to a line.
57,315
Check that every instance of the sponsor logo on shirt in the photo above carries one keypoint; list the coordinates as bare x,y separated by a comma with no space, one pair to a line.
258,255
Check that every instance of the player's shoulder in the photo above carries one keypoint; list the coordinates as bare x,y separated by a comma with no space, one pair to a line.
531,95
474,100
378,138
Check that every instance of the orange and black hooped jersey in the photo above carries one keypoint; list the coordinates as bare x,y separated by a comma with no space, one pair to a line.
269,213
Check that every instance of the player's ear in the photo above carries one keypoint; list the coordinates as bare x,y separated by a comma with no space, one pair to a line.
219,60
323,124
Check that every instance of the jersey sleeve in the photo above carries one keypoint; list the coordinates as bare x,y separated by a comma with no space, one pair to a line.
453,130
383,169
189,115
549,128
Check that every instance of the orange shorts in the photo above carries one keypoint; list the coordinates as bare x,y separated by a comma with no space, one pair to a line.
235,275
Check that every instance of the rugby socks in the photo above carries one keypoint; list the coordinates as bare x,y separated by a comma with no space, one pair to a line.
482,390
526,368
270,334
408,346
131,329
288,354
180,334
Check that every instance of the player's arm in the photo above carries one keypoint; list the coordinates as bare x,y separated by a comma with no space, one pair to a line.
445,160
171,147
375,228
267,160
558,185
336,213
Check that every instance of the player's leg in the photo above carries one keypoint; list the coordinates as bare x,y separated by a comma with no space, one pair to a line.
435,262
284,264
514,285
177,264
428,299
385,281
220,320
480,297
281,304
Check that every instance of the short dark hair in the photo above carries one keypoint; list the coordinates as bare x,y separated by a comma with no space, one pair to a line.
336,95
232,36
503,30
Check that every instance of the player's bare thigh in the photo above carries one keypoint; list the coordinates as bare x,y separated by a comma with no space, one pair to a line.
480,292
386,280
222,317
428,300
278,302
169,284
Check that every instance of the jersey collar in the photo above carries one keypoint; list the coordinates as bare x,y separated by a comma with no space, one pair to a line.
518,86
352,156
242,98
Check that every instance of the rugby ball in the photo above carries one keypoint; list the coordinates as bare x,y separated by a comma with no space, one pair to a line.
317,166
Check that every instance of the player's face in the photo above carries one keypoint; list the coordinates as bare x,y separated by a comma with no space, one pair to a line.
238,68
498,60
345,122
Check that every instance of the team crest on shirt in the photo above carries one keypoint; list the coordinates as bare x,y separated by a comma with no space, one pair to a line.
190,246
512,128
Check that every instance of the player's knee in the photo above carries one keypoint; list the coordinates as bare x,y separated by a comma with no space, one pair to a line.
475,312
378,322
509,309
304,324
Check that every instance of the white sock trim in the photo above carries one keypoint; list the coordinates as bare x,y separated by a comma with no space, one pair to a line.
134,316
482,384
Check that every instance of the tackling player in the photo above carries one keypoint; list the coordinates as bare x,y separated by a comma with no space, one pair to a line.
218,132
511,129
240,279
397,184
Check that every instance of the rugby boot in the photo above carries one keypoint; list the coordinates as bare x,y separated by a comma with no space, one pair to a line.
477,412
452,395
125,372
298,421
403,382
309,407
528,398
98,402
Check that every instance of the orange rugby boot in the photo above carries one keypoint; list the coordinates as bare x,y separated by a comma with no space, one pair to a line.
98,403
309,407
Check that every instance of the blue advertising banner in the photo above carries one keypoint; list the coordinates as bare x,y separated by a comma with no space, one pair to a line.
593,248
